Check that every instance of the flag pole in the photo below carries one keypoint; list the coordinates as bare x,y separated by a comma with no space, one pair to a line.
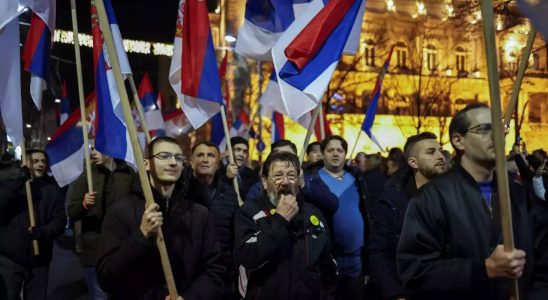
145,184
230,156
309,132
32,219
258,112
322,129
355,144
139,107
498,136
519,77
81,94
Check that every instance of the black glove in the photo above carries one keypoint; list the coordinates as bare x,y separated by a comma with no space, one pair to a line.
36,233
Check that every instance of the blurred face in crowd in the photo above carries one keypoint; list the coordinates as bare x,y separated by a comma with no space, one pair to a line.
427,157
98,158
333,156
38,164
165,163
205,160
241,154
282,179
315,154
361,161
477,144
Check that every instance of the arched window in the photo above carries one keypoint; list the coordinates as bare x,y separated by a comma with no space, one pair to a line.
401,55
431,57
369,53
460,59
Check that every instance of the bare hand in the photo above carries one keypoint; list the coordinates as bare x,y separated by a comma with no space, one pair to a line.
231,170
502,264
89,198
287,206
152,221
178,298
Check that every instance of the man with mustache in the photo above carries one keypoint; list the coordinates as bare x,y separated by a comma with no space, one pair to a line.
451,241
425,161
282,243
129,265
111,182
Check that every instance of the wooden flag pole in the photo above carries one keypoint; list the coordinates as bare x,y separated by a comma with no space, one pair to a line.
519,77
355,144
139,107
498,136
145,184
32,219
81,95
322,129
230,156
309,132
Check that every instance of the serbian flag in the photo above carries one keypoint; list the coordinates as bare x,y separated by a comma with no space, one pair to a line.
10,81
277,131
237,128
193,73
536,11
176,123
112,137
38,46
153,115
264,22
66,147
64,106
369,119
307,54
117,37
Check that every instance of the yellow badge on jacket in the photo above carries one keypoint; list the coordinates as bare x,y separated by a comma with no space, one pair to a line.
314,220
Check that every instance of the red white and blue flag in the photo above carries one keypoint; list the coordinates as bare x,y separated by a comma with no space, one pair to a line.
369,119
536,11
111,136
11,9
38,46
153,115
307,54
277,129
193,73
66,147
117,38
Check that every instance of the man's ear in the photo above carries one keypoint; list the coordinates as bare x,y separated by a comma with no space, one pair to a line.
264,180
458,141
412,162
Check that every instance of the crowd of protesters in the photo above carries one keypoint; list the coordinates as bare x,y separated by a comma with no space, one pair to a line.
420,223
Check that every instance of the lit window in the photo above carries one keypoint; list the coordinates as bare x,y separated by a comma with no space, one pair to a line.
431,57
369,53
401,55
460,59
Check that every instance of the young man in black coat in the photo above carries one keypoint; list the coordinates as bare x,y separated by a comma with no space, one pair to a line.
451,242
425,161
282,243
129,265
20,268
247,177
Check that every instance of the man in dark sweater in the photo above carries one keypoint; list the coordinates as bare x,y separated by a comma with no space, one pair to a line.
282,243
129,265
20,268
451,241
425,161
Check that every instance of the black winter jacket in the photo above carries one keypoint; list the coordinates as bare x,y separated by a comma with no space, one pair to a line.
129,265
448,233
15,242
386,221
280,259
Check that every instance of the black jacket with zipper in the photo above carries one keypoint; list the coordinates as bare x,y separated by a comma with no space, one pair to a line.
129,265
449,232
280,259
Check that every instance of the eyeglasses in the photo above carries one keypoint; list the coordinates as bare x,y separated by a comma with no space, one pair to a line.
167,156
279,178
481,129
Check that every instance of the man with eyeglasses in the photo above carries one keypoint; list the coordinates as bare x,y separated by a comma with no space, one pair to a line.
282,243
451,243
129,265
111,181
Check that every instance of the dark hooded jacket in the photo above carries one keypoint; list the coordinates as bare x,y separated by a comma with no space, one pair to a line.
129,265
